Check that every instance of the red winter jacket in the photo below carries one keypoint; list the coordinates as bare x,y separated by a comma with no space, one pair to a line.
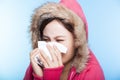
92,70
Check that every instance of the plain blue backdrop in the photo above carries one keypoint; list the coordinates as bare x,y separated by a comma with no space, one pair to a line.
103,18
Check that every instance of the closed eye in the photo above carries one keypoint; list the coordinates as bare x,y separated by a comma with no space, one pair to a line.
59,40
46,40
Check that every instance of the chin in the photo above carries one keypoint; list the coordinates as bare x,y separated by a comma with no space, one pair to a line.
65,61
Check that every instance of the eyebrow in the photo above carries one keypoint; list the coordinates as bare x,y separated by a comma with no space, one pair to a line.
45,36
55,37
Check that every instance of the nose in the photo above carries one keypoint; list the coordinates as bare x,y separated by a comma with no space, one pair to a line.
52,40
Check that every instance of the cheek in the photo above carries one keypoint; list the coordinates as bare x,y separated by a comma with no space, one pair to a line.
69,43
68,56
70,47
70,50
70,53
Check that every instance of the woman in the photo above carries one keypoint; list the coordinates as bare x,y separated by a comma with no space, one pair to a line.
63,23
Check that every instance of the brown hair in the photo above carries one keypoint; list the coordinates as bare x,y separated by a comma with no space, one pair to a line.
67,25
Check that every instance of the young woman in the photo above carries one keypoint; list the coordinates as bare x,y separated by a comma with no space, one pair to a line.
63,23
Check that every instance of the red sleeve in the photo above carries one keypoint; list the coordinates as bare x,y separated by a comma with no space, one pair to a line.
29,75
52,73
36,77
48,74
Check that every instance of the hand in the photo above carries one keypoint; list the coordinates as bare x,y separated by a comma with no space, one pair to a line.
37,70
56,57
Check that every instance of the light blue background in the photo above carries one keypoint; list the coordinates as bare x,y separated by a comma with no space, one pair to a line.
103,18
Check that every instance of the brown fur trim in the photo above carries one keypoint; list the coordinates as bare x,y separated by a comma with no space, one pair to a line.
57,10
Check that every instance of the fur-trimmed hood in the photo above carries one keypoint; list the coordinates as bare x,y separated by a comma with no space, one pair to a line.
49,10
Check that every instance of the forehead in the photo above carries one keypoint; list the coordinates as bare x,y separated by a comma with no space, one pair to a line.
55,28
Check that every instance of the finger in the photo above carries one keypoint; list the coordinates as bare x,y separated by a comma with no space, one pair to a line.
36,60
32,52
37,69
52,52
44,58
33,60
58,54
39,62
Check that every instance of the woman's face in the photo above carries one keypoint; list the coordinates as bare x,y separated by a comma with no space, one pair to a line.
56,32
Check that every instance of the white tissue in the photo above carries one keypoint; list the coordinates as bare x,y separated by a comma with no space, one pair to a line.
42,45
